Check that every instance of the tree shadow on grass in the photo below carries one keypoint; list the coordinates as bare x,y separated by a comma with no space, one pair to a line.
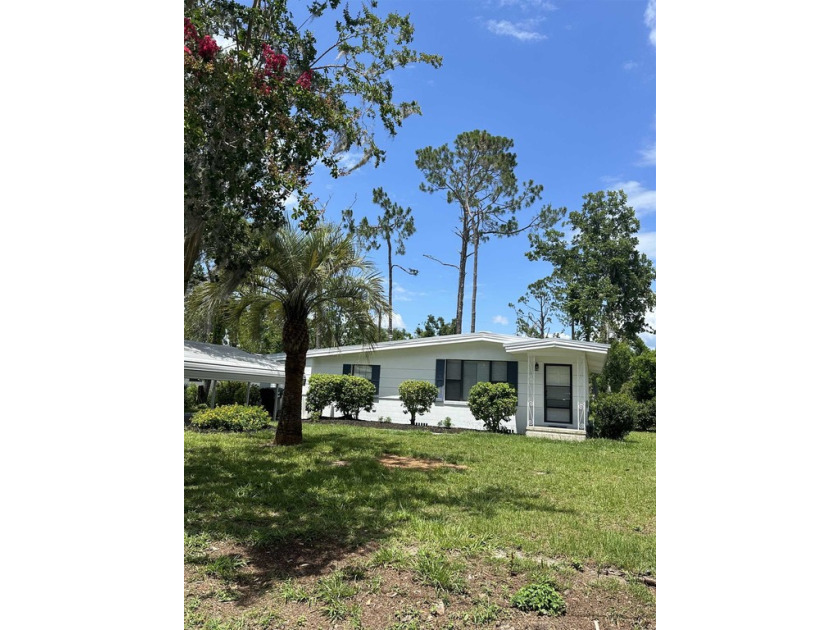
296,512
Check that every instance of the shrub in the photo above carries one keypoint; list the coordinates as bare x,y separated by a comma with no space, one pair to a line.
492,403
417,397
646,415
354,394
232,418
541,597
190,398
613,416
233,393
446,423
323,391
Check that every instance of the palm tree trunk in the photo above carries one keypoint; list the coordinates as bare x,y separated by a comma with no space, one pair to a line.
193,229
295,345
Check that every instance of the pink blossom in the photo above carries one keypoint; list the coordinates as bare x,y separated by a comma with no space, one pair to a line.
208,48
305,80
190,32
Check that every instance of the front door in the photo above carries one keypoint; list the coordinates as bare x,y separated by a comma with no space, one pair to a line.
558,394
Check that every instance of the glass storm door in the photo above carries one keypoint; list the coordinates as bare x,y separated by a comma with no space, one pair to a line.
558,394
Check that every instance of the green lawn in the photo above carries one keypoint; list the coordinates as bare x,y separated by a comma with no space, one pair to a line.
592,502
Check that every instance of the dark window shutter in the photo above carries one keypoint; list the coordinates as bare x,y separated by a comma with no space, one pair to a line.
346,368
374,377
440,372
440,377
513,374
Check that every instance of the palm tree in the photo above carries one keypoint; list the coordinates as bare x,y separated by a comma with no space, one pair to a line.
302,273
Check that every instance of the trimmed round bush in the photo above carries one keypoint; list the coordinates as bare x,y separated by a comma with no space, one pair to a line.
232,418
613,416
417,397
354,394
323,391
492,403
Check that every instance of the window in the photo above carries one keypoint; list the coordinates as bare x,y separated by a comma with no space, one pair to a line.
455,377
370,372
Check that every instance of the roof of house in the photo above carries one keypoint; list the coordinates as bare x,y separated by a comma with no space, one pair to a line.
226,363
511,343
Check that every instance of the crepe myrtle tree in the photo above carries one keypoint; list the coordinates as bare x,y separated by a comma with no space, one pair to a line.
265,101
417,397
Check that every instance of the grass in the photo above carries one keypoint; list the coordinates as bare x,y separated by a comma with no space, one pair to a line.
592,502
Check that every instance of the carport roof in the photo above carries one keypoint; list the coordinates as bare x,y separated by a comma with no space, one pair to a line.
225,363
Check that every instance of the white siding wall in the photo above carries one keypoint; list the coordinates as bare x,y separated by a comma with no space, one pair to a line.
419,364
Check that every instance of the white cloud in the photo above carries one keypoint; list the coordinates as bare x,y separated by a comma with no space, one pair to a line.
629,65
500,319
350,160
291,201
648,156
650,320
650,20
523,30
525,5
397,321
647,244
642,199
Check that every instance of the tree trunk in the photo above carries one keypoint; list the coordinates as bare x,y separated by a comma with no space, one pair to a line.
462,269
476,234
390,287
295,345
193,229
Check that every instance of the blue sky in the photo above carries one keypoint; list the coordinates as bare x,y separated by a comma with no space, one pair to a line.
571,83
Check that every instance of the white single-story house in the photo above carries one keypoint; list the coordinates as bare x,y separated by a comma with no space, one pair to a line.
551,377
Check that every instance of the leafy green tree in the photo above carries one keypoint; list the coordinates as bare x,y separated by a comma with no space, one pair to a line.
600,278
435,327
642,382
492,404
264,102
393,226
478,176
537,310
417,397
301,271
617,368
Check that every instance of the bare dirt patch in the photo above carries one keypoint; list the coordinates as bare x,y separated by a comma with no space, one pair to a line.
282,587
398,461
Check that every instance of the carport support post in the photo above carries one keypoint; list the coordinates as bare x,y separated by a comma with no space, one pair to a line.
212,395
276,398
248,394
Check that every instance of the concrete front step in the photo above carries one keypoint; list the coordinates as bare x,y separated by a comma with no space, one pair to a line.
555,433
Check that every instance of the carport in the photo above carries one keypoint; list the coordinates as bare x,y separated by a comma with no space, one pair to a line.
211,362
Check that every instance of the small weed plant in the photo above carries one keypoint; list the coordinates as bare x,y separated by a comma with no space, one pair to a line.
541,597
435,570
